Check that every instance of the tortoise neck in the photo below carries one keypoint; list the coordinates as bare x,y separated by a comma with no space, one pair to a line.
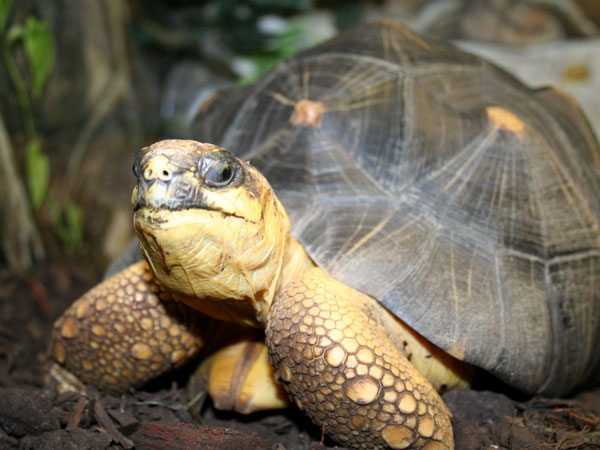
295,263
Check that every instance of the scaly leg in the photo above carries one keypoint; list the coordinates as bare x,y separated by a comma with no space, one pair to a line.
330,349
124,332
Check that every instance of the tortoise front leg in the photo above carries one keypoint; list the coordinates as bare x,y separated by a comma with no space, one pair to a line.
330,350
124,332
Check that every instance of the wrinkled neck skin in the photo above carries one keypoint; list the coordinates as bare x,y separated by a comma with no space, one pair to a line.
295,263
226,266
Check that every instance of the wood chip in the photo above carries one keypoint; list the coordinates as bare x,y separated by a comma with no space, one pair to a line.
106,422
183,436
75,419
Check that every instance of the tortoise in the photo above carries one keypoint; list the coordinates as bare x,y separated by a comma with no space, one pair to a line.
425,214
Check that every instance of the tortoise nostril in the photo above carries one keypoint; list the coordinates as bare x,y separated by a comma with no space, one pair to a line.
165,175
158,169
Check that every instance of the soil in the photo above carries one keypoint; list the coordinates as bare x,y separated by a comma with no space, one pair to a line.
33,417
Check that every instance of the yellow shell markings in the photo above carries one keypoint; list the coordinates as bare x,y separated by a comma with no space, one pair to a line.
389,39
501,118
306,111
504,119
309,112
124,331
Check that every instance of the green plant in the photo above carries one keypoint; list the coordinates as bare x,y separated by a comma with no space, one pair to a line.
39,51
67,224
278,47
38,46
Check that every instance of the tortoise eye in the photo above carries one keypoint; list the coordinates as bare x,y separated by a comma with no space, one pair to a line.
220,174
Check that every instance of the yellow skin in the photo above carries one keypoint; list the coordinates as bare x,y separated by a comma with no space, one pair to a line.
216,238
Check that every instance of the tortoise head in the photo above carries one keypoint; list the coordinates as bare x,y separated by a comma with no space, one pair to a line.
210,227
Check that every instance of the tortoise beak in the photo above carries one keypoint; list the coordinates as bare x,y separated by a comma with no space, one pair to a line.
164,183
168,175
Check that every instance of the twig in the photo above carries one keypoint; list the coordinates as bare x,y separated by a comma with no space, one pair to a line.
78,413
592,421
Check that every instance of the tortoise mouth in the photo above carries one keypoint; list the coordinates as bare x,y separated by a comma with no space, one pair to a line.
176,196
173,205
157,215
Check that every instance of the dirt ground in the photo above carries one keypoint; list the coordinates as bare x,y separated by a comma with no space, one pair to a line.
31,417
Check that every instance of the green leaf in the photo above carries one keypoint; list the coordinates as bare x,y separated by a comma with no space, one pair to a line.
14,33
67,224
37,173
39,48
5,7
73,221
286,44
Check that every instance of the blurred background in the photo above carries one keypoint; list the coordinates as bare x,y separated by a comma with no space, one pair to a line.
85,84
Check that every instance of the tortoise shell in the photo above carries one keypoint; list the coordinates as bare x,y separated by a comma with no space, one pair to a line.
435,182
